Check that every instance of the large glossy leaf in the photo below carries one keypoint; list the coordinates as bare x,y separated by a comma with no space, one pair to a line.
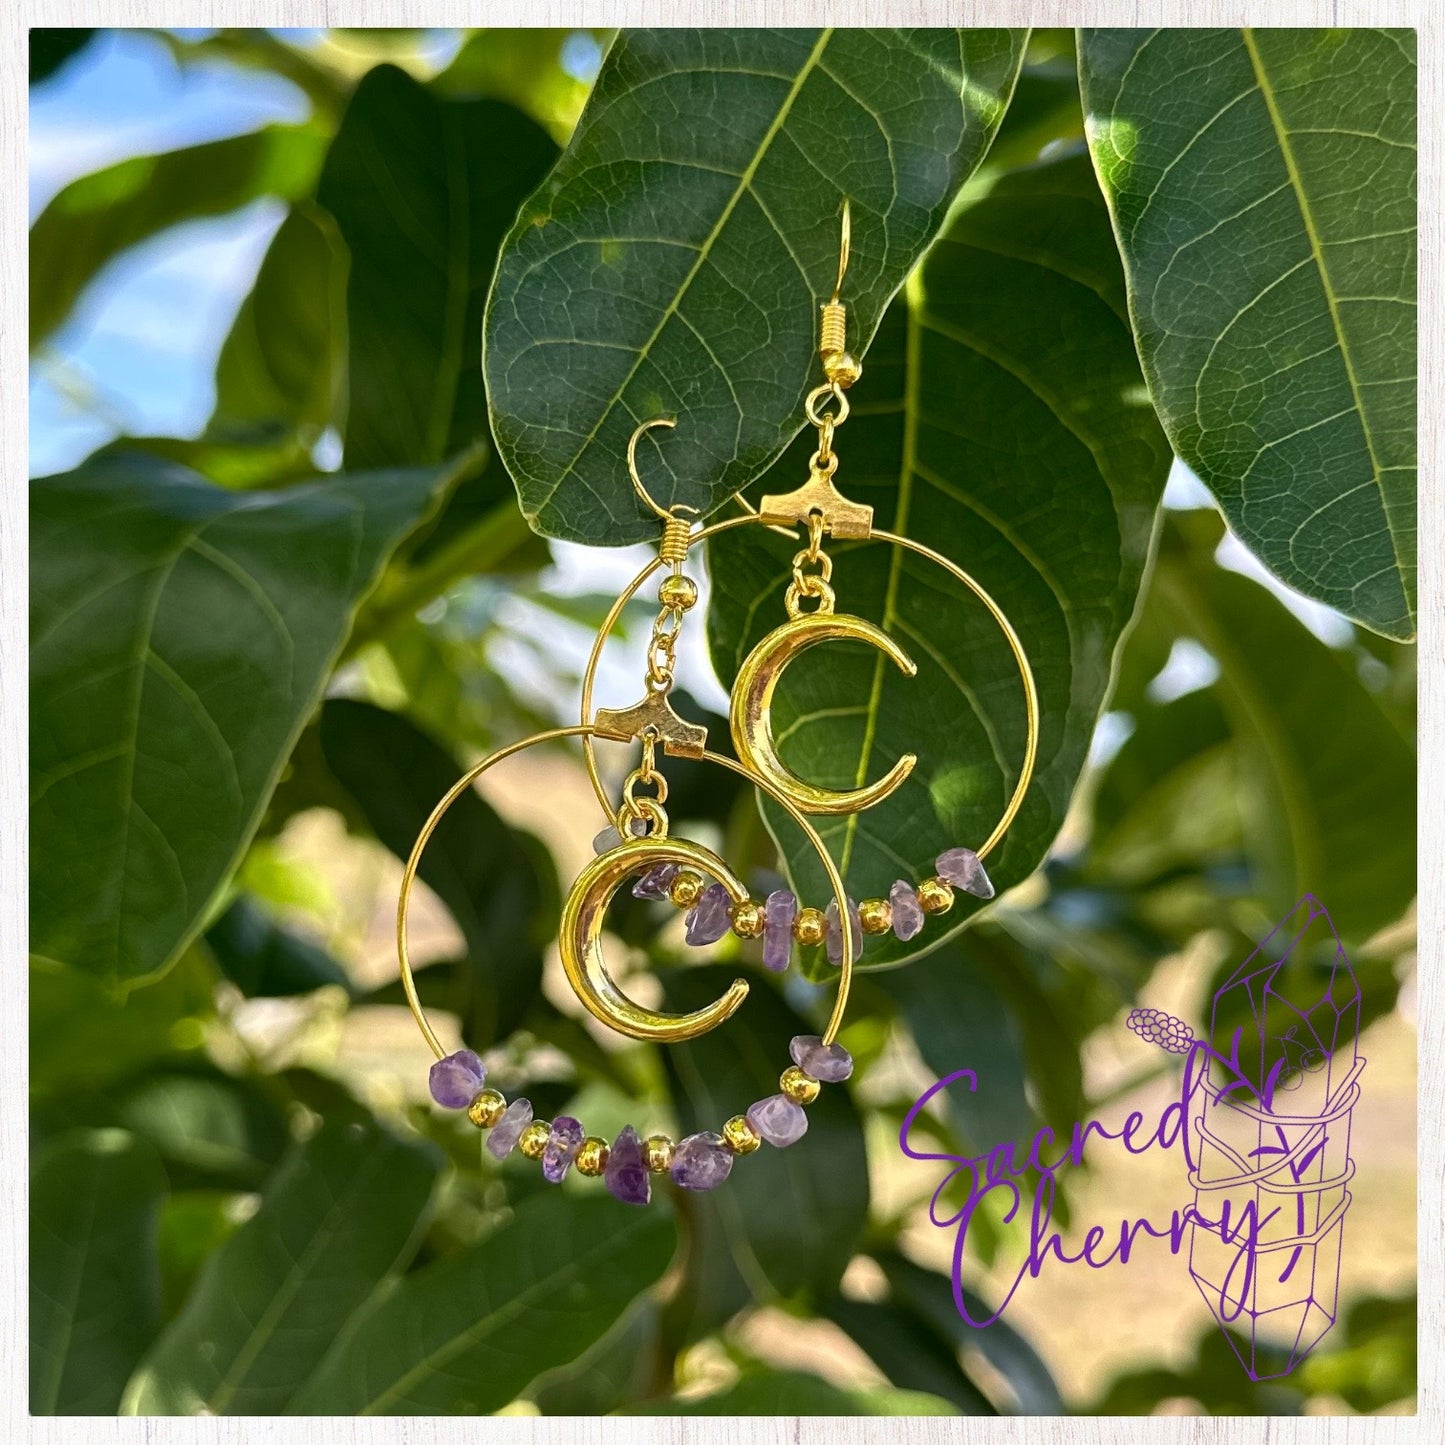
787,1221
95,1295
1263,189
101,215
422,190
789,1392
1003,421
340,1214
499,884
1329,780
674,261
467,1334
180,637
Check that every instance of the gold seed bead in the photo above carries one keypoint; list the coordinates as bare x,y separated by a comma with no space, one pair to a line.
658,1149
686,888
534,1138
747,919
677,593
809,927
935,896
798,1086
876,915
486,1108
740,1136
592,1156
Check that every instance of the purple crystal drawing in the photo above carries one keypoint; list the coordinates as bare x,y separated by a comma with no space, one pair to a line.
1269,1139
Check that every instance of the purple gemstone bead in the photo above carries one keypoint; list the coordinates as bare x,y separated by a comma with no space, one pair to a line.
701,1161
834,935
626,1173
829,1064
963,868
562,1145
609,838
907,911
707,922
656,881
779,1120
778,914
508,1129
457,1079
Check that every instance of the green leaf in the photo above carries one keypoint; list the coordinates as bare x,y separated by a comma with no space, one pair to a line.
498,883
95,1201
929,1295
909,1352
1329,780
423,190
265,960
466,1335
787,1221
1263,190
210,1130
75,1016
1002,421
180,637
101,215
282,366
674,261
1170,797
338,1217
788,1392
524,67
618,1368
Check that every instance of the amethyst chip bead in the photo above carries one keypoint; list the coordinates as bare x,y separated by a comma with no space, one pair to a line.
779,912
626,1173
700,1162
457,1079
828,1063
834,935
779,1120
655,882
710,919
508,1129
562,1145
964,869
907,911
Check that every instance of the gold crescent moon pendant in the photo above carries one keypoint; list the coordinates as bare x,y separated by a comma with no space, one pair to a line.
579,940
750,711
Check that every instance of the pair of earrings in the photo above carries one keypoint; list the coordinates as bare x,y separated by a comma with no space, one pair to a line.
637,845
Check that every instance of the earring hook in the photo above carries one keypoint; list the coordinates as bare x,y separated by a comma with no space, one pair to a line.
647,497
845,242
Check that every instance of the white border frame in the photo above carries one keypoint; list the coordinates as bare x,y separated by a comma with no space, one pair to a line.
16,16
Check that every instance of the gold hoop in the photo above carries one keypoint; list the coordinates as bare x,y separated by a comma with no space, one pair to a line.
1031,697
587,732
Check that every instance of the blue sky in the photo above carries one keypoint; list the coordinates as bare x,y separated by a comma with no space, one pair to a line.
138,354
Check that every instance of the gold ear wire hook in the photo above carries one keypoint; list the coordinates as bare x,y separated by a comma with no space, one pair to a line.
840,367
667,515
844,246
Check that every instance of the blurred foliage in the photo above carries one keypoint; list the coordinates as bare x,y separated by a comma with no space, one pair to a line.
236,652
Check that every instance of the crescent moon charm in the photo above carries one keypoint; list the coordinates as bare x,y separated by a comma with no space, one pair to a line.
579,940
752,697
